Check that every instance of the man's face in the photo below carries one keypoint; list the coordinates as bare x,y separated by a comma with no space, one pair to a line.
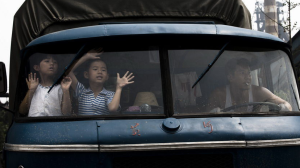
97,72
241,78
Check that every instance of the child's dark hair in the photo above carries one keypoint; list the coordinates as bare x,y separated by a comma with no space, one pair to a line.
231,65
37,58
85,67
88,63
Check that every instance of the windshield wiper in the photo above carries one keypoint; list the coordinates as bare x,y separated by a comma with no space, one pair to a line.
211,64
67,69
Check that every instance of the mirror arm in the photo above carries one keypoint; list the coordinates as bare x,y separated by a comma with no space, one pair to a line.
7,110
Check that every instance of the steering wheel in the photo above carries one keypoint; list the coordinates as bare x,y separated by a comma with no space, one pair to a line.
272,106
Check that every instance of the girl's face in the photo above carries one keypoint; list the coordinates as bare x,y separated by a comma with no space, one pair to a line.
47,67
97,72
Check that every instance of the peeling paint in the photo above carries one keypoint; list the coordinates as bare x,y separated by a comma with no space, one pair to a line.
208,124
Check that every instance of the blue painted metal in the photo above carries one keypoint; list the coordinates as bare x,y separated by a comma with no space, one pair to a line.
149,29
266,128
137,131
252,158
171,124
121,132
77,132
150,130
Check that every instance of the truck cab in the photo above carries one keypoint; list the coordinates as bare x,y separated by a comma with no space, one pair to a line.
205,94
161,117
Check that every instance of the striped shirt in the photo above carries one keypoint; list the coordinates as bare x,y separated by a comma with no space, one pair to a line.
89,105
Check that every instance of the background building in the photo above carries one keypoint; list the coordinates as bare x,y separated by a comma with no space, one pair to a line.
269,17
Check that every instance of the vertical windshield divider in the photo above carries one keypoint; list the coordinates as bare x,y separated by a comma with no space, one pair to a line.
166,81
211,64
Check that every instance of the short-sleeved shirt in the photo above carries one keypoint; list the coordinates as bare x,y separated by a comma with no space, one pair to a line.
44,103
89,105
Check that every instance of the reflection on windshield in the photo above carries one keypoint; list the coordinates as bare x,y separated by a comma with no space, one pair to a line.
37,101
100,83
210,65
239,81
129,83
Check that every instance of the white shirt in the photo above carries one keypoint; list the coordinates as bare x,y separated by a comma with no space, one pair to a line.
228,102
46,104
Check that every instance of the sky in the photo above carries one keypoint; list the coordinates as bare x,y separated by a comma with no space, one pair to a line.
9,7
295,13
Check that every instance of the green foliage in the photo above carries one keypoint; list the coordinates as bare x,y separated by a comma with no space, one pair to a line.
287,26
3,127
5,121
292,4
283,94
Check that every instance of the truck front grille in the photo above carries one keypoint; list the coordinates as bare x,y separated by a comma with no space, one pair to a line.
176,161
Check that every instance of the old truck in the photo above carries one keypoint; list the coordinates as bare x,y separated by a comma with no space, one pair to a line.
184,108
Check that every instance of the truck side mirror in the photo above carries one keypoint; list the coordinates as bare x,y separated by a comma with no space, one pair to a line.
3,79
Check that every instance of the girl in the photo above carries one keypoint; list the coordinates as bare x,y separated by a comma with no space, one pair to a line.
37,101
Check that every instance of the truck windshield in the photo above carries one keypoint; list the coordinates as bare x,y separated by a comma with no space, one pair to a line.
107,81
240,81
103,82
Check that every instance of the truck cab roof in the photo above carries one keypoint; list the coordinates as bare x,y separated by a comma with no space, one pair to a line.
134,29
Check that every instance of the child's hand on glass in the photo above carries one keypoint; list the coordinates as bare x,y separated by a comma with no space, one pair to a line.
66,83
32,81
125,80
94,53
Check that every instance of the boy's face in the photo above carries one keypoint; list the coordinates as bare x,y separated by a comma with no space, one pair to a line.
47,66
97,72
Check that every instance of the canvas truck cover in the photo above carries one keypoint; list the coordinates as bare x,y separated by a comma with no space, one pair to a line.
39,17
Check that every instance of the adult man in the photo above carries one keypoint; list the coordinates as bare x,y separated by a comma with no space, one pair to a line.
240,91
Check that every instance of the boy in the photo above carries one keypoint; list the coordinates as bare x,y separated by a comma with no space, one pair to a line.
96,100
37,101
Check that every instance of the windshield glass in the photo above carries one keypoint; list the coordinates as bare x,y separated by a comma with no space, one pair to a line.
102,82
240,81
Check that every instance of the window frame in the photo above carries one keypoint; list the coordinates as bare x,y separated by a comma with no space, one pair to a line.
215,42
28,53
240,114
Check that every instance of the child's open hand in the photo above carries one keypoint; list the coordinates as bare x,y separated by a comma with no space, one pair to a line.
125,80
94,53
32,81
66,83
